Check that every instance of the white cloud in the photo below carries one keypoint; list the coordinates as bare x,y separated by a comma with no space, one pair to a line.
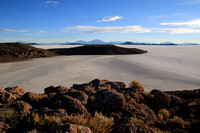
42,31
179,30
94,29
192,23
51,2
107,19
10,30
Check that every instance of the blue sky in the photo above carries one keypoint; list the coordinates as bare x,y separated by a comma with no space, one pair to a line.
50,21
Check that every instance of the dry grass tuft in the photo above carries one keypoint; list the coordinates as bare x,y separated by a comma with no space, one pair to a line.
43,122
136,86
9,116
98,123
135,120
163,114
180,122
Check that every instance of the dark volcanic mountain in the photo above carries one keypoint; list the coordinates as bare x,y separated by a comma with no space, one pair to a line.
20,51
98,50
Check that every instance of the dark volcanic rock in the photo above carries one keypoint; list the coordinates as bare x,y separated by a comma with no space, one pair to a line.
186,94
140,112
98,50
19,51
6,97
163,100
36,100
70,128
98,84
70,104
52,89
106,101
30,97
22,107
80,95
16,91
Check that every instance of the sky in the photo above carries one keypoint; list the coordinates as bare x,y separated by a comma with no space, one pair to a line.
60,21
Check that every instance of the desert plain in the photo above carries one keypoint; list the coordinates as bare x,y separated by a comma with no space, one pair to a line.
163,67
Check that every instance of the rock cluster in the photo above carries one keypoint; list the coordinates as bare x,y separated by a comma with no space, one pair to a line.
131,109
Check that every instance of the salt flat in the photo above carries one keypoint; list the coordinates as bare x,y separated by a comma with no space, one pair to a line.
163,67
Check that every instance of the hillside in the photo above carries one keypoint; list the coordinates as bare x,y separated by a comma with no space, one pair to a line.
98,50
20,51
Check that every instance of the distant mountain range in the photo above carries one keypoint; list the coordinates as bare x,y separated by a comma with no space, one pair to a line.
97,41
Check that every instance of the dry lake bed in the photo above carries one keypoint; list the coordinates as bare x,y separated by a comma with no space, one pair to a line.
163,67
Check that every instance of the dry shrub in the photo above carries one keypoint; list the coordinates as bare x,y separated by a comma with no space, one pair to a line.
9,116
43,122
32,131
98,123
89,88
41,96
180,122
163,114
156,130
136,86
135,120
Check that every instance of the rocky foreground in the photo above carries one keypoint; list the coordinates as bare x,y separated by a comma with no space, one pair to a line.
100,106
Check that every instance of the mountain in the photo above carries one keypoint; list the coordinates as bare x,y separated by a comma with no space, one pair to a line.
20,51
96,41
167,42
189,43
80,42
97,50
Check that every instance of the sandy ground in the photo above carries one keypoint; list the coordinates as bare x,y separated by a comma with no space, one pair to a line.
163,67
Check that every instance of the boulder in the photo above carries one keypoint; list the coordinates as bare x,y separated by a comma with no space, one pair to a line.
138,97
22,107
6,97
139,111
98,84
16,91
106,101
70,104
134,128
161,100
52,89
70,128
36,100
80,95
